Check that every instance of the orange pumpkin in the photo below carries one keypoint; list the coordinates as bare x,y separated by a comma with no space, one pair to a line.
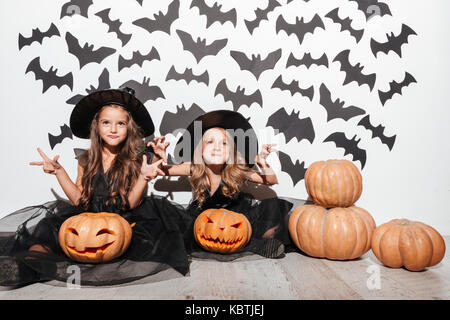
95,237
222,230
333,183
337,233
412,244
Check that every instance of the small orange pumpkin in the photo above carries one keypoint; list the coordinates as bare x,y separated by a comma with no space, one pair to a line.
222,230
333,183
412,244
95,237
336,234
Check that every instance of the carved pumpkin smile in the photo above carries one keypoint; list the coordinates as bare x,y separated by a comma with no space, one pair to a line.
91,251
222,230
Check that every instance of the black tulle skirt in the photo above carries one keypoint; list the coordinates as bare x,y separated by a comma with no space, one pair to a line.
157,244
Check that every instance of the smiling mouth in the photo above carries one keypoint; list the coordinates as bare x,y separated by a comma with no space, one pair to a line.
90,251
218,243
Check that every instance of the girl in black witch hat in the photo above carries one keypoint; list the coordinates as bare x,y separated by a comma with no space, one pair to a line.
112,177
219,161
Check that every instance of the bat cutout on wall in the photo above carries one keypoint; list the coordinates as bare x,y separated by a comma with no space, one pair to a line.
299,28
238,98
335,109
87,54
214,14
76,7
114,26
198,48
143,91
103,84
377,132
346,24
292,126
369,7
393,43
140,2
38,36
293,88
187,76
349,146
65,133
138,59
161,22
295,170
396,87
180,119
261,14
307,61
256,65
354,72
49,78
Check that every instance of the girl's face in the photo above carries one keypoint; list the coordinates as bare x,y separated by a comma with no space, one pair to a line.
113,125
215,146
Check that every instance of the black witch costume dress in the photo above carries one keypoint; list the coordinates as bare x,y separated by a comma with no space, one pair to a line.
157,241
268,217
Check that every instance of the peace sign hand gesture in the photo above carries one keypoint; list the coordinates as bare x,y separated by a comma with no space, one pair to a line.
150,171
48,165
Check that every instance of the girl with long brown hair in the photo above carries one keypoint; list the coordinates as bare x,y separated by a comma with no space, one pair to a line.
218,170
113,176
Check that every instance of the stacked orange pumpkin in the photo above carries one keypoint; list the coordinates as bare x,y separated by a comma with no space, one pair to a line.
332,227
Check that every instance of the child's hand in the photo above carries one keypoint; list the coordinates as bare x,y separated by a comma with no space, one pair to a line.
150,171
159,147
50,166
260,159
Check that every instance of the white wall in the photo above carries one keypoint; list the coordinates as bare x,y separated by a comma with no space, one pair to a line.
411,181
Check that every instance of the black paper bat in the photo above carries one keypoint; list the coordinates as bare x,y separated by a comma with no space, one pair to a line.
370,7
335,109
377,132
38,35
393,42
350,146
261,14
140,1
160,21
214,14
87,54
65,133
49,78
299,28
138,59
293,88
292,126
76,7
103,84
238,98
256,65
307,61
143,91
114,26
295,170
396,87
346,24
354,73
198,48
187,76
180,119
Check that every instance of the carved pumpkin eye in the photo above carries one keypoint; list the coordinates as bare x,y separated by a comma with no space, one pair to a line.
105,231
237,225
208,220
72,230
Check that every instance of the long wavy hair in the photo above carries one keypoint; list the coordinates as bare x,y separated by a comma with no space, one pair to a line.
233,172
124,169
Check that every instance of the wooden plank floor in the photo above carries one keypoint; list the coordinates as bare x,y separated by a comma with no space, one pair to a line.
296,276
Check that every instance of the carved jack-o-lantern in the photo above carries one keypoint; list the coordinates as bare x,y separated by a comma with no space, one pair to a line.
95,237
221,230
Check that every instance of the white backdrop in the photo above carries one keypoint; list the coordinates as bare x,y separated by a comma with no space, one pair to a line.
411,181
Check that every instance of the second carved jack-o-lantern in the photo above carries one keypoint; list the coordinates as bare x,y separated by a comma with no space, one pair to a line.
222,230
95,237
